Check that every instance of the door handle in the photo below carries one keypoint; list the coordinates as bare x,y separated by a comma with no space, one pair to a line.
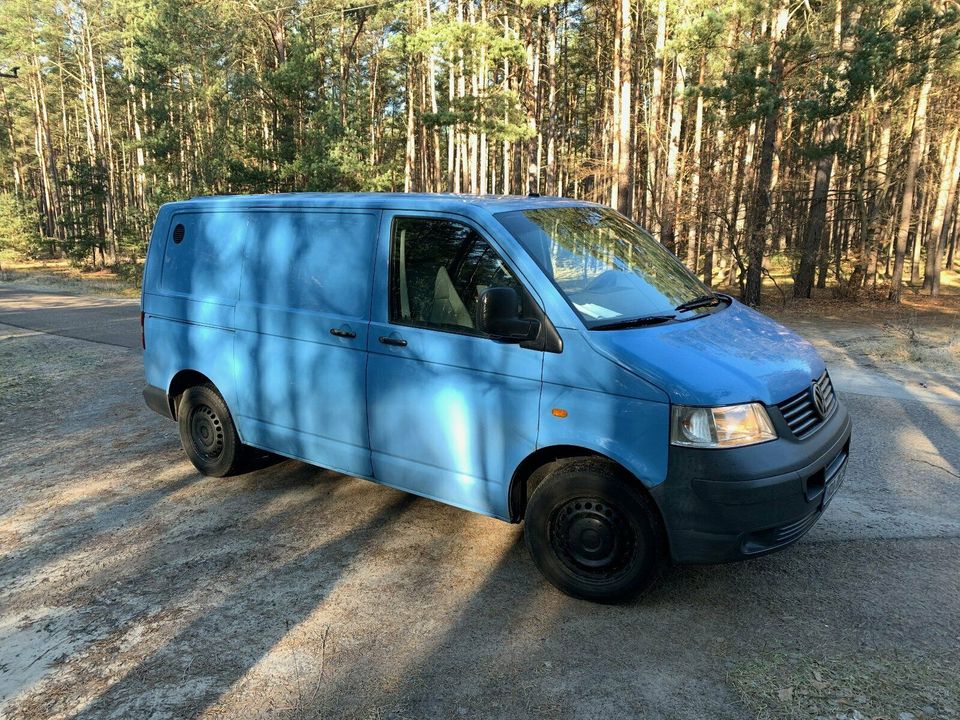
340,332
389,340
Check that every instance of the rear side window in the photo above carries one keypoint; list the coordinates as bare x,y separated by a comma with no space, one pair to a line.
203,254
438,270
321,261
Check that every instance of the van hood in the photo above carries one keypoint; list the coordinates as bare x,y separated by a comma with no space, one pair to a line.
732,355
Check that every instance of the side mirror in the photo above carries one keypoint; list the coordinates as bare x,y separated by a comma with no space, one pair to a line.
498,316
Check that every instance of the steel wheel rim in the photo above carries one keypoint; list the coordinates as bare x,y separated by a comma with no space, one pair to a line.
593,539
206,432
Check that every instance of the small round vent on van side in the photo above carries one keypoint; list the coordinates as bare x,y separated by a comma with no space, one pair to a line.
178,232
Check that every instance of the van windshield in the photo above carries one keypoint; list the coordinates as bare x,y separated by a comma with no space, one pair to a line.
610,271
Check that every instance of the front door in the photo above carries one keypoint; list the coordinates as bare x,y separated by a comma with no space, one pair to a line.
451,412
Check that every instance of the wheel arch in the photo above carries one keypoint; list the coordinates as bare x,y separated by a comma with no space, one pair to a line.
532,470
182,381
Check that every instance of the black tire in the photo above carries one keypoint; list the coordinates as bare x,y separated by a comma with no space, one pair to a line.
593,533
208,434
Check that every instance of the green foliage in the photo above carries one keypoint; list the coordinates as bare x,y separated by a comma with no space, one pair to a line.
18,230
445,37
129,272
498,113
84,222
133,234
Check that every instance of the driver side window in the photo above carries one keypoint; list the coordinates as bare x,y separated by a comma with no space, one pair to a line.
438,269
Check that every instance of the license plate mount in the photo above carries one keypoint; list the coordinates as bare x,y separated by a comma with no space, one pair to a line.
831,487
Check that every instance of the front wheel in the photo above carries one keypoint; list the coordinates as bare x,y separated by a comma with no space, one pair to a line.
593,533
208,434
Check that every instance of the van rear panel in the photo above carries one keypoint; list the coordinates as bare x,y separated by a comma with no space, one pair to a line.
191,285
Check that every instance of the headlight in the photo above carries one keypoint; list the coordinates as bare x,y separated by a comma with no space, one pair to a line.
720,427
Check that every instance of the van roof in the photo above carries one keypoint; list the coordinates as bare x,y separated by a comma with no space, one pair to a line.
376,200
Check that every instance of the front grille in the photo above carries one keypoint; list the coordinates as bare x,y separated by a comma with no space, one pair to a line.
800,410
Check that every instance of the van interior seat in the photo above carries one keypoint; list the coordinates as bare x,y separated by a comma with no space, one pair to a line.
447,307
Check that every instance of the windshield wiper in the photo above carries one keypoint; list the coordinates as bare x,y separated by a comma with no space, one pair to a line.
634,322
698,302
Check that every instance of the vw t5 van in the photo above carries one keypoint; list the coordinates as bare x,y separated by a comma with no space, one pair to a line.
533,359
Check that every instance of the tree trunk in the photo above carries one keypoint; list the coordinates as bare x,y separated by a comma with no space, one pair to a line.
693,238
761,204
452,183
506,113
919,233
550,126
668,228
948,236
931,276
817,218
953,235
434,107
653,118
14,147
875,228
918,139
622,190
409,165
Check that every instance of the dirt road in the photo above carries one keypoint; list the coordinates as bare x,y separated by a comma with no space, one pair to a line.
132,587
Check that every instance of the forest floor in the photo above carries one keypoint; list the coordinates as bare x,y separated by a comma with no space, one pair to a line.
917,340
130,586
62,275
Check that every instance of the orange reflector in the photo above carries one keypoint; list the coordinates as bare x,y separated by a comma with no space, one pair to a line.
559,412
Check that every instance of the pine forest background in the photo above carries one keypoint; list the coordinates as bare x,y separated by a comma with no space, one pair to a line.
818,135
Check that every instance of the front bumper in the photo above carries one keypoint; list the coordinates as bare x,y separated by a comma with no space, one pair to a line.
723,505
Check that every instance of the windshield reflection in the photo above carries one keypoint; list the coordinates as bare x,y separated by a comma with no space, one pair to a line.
606,267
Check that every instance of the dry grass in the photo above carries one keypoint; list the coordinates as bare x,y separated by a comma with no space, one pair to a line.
62,275
906,346
920,332
887,686
871,306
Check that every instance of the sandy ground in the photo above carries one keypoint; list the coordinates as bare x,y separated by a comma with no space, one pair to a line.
132,587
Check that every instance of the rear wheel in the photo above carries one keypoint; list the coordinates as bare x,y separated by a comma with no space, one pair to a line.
208,434
593,533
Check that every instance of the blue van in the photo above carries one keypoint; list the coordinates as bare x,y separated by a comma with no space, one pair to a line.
534,359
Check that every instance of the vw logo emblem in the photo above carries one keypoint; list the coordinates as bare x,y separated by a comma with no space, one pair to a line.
819,402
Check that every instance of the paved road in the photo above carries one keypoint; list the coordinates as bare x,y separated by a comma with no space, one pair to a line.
111,321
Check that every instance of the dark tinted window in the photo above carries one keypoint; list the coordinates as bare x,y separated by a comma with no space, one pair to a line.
438,270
